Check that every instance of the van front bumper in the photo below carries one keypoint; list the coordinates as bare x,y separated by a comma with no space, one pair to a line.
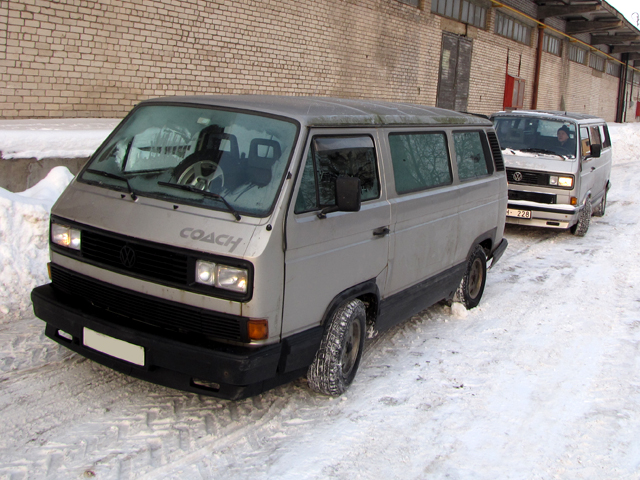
225,371
544,215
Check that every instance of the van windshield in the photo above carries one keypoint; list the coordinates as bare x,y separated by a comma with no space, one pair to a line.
543,137
220,159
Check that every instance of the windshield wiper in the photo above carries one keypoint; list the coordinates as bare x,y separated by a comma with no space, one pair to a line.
191,188
134,197
543,150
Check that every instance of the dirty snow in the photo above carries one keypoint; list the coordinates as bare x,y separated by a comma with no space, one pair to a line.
541,381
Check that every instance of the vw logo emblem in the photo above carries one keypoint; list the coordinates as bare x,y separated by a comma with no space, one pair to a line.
517,176
128,256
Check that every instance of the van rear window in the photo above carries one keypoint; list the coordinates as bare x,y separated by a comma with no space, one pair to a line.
471,155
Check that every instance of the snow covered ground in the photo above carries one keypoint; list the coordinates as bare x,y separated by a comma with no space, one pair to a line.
541,381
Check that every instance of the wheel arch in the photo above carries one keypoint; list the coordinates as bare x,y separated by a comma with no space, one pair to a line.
487,241
367,291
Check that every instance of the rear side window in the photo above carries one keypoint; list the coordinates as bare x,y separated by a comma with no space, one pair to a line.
472,155
330,157
420,161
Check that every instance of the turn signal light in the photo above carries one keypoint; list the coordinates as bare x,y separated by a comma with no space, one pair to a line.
574,201
258,329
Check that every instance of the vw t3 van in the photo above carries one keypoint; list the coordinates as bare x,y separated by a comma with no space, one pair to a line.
558,167
226,244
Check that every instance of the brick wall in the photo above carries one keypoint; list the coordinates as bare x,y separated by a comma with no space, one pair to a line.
98,58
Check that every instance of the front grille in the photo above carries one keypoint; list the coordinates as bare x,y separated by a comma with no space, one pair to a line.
166,315
532,197
528,178
150,261
147,260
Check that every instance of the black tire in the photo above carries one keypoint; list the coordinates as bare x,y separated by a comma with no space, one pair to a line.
199,170
471,287
600,210
338,357
580,228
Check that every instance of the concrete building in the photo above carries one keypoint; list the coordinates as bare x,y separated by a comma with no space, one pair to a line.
98,58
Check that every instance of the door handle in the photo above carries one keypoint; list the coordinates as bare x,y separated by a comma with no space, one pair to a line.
381,232
593,168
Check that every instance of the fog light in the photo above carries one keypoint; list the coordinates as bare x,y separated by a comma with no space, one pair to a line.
258,329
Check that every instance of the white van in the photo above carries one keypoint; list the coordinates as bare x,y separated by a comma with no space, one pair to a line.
227,244
558,167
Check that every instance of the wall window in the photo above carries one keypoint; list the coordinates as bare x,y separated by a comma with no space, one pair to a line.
596,62
330,157
551,44
420,161
461,10
511,28
577,54
613,68
471,155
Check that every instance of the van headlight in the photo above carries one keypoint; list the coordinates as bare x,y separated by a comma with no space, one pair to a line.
222,276
65,236
558,181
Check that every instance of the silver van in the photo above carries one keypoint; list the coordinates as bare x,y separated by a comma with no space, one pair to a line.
226,244
558,167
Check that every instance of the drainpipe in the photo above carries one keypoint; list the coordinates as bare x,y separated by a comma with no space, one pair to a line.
536,79
622,89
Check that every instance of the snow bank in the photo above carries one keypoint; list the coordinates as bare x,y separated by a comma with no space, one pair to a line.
625,139
24,250
59,138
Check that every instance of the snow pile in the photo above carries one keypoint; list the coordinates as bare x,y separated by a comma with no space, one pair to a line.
59,138
24,249
625,139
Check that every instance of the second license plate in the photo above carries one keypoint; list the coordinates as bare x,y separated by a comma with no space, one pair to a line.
513,212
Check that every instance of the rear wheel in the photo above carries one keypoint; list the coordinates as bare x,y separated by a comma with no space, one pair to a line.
338,357
471,287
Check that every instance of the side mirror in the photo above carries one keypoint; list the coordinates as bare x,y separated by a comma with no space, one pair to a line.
596,150
347,196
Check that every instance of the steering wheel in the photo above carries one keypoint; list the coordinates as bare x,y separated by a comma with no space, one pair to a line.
199,170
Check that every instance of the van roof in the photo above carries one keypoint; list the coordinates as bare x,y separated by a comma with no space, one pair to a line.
576,117
333,112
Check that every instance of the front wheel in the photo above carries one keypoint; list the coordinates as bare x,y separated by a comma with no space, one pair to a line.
338,357
584,218
471,287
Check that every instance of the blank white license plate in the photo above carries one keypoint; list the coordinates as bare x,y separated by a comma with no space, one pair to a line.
114,347
513,212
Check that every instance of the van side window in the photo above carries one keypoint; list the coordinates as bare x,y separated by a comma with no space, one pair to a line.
585,144
471,155
331,157
420,161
